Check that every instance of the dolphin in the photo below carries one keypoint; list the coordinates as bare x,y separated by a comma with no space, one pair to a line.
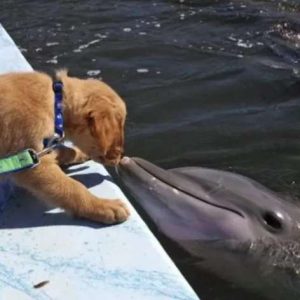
234,227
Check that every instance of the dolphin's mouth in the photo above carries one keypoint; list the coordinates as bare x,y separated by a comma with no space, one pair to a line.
177,183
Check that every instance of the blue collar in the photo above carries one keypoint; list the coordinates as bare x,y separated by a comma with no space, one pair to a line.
58,116
59,121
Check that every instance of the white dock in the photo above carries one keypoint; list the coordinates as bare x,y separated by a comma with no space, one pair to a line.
72,259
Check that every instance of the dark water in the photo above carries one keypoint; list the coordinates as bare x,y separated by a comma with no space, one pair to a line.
207,83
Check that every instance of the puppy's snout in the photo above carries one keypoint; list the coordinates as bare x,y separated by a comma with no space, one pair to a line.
115,153
108,162
112,157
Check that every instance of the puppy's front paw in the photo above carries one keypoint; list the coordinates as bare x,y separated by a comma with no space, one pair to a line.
111,211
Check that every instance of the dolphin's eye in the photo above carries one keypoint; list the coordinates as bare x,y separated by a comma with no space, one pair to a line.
274,221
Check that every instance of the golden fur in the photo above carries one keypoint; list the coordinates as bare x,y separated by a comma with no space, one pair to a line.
94,117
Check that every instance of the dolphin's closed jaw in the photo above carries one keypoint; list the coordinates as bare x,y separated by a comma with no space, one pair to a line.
137,167
178,205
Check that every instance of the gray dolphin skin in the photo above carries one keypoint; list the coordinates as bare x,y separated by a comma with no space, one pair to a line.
233,226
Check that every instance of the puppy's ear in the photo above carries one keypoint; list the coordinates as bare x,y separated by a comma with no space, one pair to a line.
99,125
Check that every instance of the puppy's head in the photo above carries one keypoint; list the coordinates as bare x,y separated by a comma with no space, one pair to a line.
98,127
106,122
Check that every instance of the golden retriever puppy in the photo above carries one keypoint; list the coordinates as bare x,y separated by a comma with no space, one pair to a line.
94,117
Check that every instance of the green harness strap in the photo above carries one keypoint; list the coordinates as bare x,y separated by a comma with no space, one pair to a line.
23,160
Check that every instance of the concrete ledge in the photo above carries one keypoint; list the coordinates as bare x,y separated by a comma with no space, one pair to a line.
11,60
